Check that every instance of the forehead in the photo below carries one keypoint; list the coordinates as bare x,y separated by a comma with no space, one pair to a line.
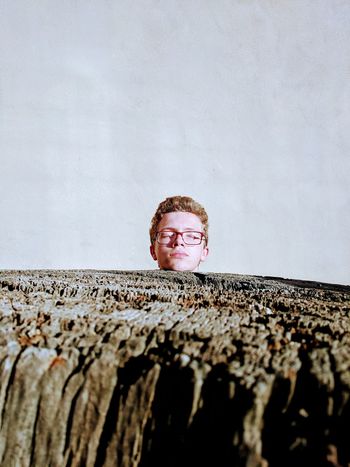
180,221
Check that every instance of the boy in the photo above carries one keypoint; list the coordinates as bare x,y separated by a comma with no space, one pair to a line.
179,234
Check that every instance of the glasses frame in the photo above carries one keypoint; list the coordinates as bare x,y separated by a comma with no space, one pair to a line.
181,233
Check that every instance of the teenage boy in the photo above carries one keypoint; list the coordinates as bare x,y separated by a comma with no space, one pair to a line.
179,234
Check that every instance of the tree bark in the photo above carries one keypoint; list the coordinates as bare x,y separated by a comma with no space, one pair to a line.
148,368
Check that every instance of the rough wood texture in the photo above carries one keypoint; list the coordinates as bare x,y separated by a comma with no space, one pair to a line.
172,369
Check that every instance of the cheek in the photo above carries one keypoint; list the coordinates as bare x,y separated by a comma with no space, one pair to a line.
162,253
196,254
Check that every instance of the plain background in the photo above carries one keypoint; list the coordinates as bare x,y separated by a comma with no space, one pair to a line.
107,107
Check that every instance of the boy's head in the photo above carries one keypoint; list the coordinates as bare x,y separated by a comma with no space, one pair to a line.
179,234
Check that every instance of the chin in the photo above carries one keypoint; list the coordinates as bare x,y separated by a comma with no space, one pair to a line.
183,267
180,265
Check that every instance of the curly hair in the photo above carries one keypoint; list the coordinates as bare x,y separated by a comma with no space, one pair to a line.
178,203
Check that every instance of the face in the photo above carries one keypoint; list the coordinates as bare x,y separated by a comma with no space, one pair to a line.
175,254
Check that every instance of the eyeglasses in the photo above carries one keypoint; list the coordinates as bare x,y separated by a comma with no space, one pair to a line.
190,238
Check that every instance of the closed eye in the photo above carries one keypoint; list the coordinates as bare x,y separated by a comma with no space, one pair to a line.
193,236
166,235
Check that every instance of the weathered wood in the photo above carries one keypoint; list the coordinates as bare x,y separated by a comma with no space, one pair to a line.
148,368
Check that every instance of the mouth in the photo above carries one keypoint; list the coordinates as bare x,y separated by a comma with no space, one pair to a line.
178,255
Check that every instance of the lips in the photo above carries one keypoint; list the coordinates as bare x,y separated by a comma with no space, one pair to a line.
178,254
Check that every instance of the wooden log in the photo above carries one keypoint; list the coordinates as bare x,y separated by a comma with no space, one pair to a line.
148,368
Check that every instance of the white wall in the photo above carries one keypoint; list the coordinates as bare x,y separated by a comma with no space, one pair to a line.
107,107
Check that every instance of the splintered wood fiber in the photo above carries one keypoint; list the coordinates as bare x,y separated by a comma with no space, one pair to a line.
153,368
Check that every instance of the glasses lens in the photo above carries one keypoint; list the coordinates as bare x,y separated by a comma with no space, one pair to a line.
165,237
192,238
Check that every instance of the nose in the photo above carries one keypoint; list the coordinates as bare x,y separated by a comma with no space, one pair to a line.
178,239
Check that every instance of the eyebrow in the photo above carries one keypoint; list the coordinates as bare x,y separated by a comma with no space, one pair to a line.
186,229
